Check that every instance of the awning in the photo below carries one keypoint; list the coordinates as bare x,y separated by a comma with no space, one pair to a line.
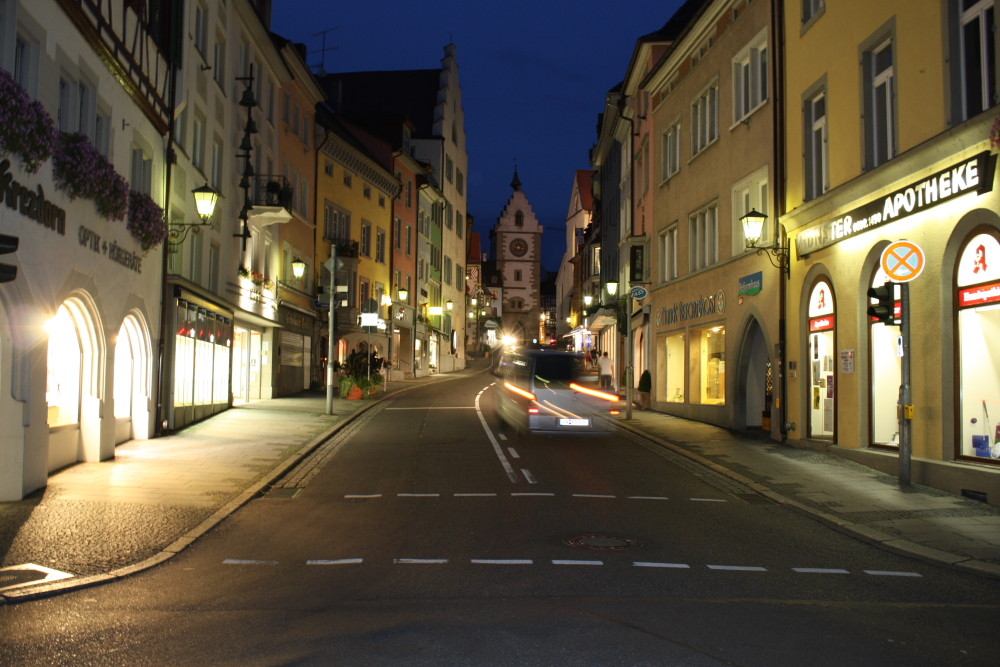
601,318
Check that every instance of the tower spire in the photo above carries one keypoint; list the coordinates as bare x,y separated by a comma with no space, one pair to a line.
516,182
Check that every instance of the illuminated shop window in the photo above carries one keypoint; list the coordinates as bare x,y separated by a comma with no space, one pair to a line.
184,350
675,366
708,359
979,332
65,357
822,372
886,374
223,347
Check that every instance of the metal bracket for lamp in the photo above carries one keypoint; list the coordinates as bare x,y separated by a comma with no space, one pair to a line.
753,226
205,199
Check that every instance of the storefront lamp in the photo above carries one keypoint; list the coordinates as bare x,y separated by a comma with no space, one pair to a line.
449,304
403,294
474,301
205,199
588,299
386,300
612,288
753,228
298,268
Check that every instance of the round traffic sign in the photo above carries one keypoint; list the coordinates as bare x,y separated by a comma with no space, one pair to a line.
902,261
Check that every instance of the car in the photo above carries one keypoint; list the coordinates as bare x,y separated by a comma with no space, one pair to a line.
548,391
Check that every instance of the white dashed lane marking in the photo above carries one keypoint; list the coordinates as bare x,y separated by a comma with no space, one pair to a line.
661,565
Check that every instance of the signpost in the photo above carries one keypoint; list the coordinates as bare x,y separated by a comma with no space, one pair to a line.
903,261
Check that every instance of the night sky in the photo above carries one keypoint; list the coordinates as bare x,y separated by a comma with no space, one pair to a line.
534,76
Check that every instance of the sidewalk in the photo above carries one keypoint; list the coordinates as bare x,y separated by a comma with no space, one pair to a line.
97,522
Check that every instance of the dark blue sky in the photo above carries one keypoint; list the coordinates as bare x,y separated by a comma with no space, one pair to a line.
533,73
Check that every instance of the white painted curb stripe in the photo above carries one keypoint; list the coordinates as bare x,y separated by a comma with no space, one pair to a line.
890,573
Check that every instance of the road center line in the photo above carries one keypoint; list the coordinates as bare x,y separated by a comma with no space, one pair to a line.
418,495
248,561
674,566
336,561
354,496
528,476
648,498
738,568
578,562
419,561
475,495
508,468
532,493
819,570
593,495
513,453
707,500
502,561
890,573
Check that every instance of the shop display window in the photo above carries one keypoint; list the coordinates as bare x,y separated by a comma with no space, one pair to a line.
886,374
978,282
65,356
674,386
821,366
184,351
708,362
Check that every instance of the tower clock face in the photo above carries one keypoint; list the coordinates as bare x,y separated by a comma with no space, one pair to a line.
518,247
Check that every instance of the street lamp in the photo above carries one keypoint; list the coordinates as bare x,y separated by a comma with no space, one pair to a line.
298,268
205,199
753,228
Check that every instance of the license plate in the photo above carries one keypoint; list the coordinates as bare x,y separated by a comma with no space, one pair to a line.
574,422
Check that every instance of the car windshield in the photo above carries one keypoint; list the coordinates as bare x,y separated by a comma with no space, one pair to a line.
557,368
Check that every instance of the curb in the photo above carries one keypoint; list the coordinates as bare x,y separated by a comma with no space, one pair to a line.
30,592
861,532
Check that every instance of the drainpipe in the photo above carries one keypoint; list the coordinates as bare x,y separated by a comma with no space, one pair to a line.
779,189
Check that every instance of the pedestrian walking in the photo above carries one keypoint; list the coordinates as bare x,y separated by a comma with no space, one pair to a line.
607,371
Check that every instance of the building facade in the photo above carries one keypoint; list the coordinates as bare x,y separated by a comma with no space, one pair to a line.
870,163
517,247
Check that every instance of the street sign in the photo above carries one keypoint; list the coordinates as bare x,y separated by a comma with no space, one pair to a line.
638,292
902,261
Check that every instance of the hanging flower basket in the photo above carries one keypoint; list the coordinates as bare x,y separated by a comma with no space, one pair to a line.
81,172
26,129
146,221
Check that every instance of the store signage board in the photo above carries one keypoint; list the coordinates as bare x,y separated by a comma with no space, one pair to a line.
980,295
638,292
974,174
825,323
903,261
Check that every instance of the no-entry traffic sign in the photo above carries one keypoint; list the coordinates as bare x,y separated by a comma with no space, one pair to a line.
902,261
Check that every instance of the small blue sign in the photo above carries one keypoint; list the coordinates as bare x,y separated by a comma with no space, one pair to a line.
750,285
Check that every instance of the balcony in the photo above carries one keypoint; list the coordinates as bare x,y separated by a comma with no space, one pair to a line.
271,199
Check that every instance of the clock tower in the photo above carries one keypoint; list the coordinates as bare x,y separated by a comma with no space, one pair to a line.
517,249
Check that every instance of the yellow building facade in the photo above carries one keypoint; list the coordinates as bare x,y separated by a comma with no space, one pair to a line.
888,113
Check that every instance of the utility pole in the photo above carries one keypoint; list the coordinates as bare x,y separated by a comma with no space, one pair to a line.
331,265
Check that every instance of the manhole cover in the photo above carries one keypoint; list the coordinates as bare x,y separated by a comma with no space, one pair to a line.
603,542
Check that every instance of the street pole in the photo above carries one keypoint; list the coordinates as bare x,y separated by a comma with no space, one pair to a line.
905,397
331,323
627,301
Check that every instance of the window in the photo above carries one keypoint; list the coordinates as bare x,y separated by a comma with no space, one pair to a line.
336,223
708,357
67,103
672,150
449,168
750,78
409,193
367,191
380,245
459,277
409,239
219,61
328,168
637,264
142,171
517,275
397,233
198,142
705,119
750,193
976,51
347,180
703,238
460,181
447,214
519,219
668,254
817,181
673,390
24,51
201,29
366,238
880,105
447,270
811,9
459,224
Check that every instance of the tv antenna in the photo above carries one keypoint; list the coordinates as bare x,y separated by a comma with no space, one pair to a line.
322,52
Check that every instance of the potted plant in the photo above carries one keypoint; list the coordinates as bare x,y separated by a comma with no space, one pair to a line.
81,172
360,375
146,221
26,129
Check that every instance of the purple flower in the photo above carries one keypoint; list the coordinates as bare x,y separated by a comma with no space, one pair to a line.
146,221
26,129
80,171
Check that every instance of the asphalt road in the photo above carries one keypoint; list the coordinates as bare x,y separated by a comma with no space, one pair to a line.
424,535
